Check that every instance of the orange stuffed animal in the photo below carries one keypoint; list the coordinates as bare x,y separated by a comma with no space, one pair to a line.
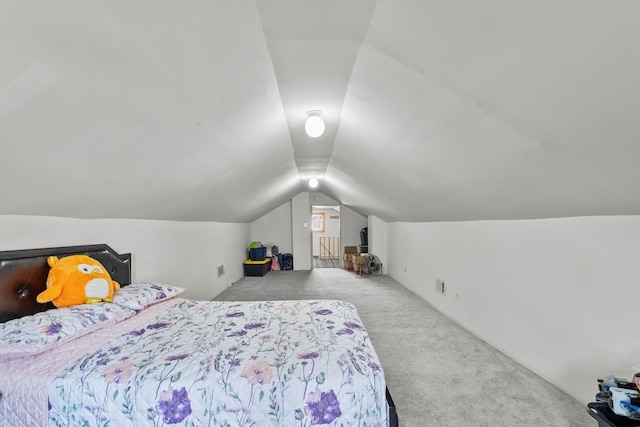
77,279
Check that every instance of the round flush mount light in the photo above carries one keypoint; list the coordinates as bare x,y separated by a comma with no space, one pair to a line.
314,126
313,183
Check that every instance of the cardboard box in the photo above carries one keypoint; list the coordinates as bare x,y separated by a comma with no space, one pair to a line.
357,259
348,265
350,249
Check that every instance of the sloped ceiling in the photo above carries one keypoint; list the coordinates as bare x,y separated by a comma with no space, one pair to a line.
436,110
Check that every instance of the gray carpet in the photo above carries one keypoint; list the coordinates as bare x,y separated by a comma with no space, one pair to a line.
438,373
326,262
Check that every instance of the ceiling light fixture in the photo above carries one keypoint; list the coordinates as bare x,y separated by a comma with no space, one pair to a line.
314,126
313,183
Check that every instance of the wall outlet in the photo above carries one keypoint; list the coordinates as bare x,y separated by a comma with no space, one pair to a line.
440,287
220,270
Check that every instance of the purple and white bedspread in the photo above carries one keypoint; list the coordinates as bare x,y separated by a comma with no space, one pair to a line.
204,363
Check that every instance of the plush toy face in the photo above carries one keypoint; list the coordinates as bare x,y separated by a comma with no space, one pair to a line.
77,279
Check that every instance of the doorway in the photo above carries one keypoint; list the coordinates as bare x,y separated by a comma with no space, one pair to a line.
325,225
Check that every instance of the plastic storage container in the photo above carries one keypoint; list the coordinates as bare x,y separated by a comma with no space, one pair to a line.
258,254
257,268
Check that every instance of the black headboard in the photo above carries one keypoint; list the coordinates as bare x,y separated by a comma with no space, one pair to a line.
23,275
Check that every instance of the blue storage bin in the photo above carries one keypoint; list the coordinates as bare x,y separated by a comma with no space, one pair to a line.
258,254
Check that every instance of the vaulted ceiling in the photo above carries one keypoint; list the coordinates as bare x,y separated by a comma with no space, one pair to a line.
435,110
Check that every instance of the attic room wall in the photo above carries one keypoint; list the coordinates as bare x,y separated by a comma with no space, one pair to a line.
378,233
274,227
351,222
557,295
185,254
301,231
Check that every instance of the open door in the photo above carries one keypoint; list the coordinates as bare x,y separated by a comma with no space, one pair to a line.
325,225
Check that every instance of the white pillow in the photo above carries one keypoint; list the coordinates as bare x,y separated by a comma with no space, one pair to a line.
137,296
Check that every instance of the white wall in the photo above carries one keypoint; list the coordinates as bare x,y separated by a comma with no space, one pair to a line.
351,223
301,231
378,233
558,295
185,254
316,198
274,227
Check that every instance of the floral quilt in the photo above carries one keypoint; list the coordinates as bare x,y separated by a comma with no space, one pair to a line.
204,363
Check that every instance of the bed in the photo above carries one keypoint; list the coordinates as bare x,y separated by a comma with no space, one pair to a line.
153,358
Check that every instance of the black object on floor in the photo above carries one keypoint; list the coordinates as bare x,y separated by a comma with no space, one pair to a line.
393,415
607,418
